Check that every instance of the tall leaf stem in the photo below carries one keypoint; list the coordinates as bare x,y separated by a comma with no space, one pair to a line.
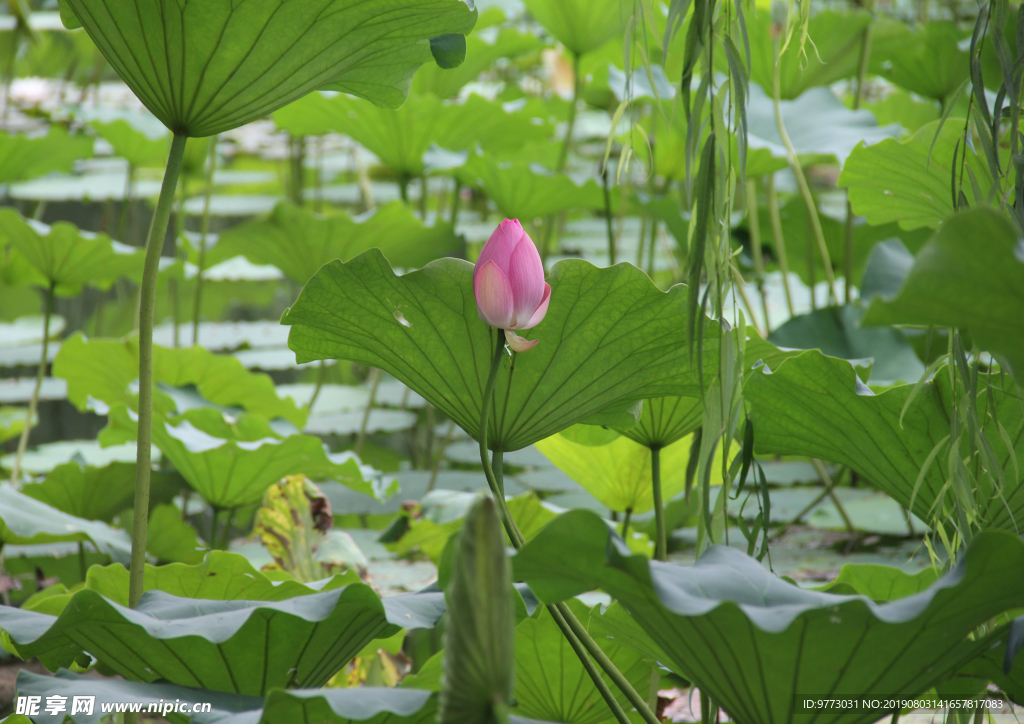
608,217
661,538
755,249
33,404
801,180
563,155
579,632
207,194
147,305
780,241
862,71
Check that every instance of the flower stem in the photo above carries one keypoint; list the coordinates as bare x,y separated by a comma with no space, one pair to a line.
203,238
147,304
33,404
661,542
559,610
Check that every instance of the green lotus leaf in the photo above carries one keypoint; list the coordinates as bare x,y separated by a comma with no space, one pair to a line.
298,242
925,59
96,493
664,420
618,474
400,138
221,576
835,55
880,583
971,276
232,462
482,49
26,157
521,192
26,521
551,683
204,68
758,645
580,25
837,332
117,691
131,144
816,406
67,257
12,422
610,338
246,647
896,181
106,370
479,643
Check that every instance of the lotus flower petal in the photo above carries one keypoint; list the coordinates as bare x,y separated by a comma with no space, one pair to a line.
526,275
542,309
493,296
519,344
500,245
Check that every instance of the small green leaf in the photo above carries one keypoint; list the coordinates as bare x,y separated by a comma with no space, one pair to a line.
580,25
894,181
67,257
67,15
298,242
105,370
618,474
479,652
25,157
131,144
449,50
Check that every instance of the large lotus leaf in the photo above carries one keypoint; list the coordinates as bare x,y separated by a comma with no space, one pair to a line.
92,493
837,332
220,576
203,68
232,462
400,138
926,59
610,338
816,406
131,144
520,191
758,645
817,123
551,683
26,521
107,370
894,181
993,665
67,257
580,25
108,691
247,647
298,242
834,56
483,47
971,276
25,157
169,538
618,473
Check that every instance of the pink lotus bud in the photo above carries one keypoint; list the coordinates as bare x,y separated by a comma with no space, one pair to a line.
508,281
